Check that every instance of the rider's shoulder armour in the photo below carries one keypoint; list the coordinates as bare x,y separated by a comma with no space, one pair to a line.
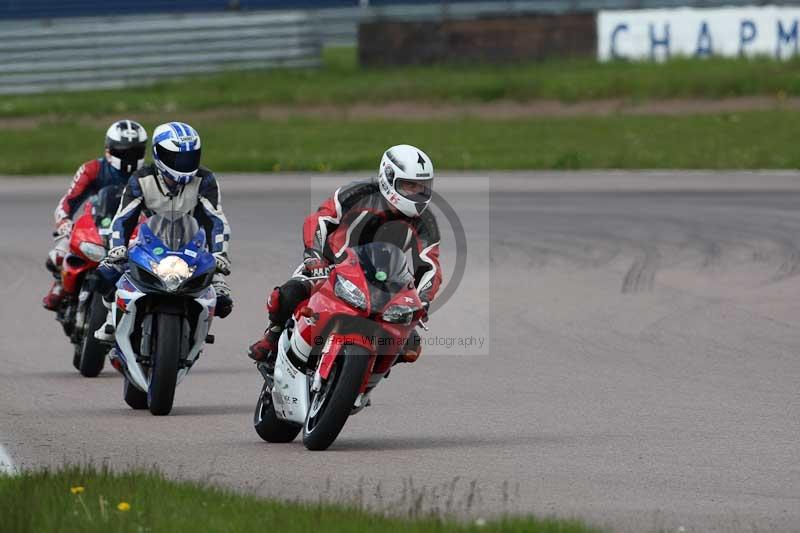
362,193
427,228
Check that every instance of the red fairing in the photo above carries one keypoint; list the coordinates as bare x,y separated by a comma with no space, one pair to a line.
76,264
334,346
326,310
81,183
85,230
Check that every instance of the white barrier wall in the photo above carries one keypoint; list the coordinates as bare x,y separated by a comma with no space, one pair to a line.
657,34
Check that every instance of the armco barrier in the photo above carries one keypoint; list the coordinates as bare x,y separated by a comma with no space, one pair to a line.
69,54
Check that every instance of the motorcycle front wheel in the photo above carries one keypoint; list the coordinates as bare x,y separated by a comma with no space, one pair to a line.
332,404
171,346
93,352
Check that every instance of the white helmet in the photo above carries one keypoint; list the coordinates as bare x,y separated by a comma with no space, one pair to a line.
406,179
176,151
126,141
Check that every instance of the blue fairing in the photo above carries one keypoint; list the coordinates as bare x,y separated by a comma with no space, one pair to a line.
148,248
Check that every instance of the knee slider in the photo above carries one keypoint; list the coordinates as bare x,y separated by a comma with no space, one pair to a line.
274,300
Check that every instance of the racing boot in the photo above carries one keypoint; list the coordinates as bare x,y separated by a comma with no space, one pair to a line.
105,333
266,350
52,302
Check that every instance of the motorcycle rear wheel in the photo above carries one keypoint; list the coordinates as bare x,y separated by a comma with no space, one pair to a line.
267,424
337,397
171,346
93,352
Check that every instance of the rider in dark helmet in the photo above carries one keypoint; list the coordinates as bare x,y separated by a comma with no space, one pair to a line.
391,208
126,142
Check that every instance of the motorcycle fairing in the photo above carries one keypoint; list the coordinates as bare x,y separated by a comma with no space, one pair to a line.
84,230
148,249
340,323
76,263
125,304
290,387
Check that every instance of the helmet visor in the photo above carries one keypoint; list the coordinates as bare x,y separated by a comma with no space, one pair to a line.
415,190
182,162
128,153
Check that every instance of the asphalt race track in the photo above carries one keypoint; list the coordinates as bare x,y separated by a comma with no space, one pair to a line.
638,365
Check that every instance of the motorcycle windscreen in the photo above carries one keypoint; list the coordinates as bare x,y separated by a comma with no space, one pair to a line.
106,202
174,229
386,270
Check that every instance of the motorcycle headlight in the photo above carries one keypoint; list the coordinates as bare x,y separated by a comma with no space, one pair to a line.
350,293
399,314
93,251
172,270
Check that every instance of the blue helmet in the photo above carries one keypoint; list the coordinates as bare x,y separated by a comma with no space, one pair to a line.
176,151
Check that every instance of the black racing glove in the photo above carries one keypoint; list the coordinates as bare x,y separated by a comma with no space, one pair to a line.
224,300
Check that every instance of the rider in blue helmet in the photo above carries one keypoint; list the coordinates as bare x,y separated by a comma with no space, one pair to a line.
175,181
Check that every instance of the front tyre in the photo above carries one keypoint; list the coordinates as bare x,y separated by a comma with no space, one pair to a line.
93,352
331,405
267,424
171,346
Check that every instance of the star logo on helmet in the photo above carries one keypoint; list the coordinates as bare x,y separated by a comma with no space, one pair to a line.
421,160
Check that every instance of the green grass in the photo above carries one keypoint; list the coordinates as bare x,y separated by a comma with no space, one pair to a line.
340,81
46,501
743,140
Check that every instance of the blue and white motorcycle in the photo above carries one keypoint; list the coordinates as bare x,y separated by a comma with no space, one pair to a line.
163,309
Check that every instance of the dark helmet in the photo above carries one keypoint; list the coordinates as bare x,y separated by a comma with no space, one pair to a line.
126,142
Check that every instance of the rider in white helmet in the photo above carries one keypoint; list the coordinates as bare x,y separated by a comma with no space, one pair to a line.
175,181
393,207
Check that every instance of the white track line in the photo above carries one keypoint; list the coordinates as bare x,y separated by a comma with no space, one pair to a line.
6,465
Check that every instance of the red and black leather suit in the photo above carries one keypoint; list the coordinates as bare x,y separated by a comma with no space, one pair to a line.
90,178
358,214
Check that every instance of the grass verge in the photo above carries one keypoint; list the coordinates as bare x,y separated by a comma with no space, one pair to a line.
340,81
88,500
725,141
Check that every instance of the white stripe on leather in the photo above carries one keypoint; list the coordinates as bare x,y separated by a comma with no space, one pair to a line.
350,229
428,276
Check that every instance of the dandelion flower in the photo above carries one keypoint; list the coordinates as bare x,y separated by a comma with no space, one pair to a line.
124,506
76,490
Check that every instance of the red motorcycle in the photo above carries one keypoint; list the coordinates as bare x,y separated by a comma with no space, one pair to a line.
82,310
339,344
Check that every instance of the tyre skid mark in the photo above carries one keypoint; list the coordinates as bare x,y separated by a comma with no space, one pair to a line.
641,275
